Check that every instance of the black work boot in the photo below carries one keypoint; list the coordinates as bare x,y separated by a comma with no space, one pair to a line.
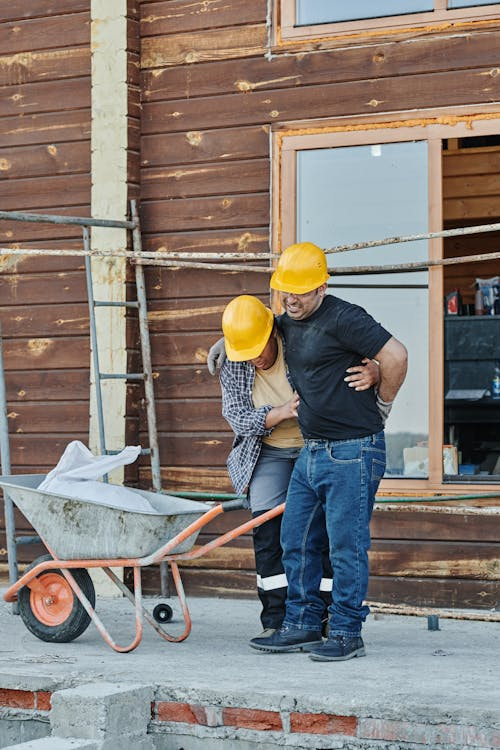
266,633
339,648
288,639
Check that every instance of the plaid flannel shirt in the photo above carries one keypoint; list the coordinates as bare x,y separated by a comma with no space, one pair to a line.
247,422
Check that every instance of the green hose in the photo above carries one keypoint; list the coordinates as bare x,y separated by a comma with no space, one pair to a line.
434,499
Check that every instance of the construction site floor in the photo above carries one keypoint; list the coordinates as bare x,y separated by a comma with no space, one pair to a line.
410,675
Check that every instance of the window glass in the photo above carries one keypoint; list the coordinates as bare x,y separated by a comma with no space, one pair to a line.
362,193
326,11
468,3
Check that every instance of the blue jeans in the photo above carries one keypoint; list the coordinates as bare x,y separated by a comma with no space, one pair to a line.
331,496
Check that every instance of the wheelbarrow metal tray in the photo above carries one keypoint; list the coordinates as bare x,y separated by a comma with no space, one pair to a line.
78,529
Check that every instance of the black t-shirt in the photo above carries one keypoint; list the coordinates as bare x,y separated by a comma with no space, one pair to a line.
318,351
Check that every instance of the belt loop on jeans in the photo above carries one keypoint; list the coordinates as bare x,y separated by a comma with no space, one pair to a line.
311,443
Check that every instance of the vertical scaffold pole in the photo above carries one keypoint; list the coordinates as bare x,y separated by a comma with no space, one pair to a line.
10,528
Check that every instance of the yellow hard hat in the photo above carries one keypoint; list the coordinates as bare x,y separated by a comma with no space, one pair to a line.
301,268
247,325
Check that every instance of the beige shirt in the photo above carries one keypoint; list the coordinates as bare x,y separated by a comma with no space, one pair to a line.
271,387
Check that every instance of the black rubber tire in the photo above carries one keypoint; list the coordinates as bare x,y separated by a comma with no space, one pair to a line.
77,621
163,613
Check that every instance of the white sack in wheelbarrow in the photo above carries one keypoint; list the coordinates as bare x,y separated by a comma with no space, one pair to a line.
78,471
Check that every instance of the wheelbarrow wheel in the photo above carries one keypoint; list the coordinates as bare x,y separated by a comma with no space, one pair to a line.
57,616
163,613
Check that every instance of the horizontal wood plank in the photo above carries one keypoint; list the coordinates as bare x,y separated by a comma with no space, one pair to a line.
223,212
189,479
205,146
45,385
234,177
45,96
33,451
209,44
422,592
471,186
45,161
49,417
183,282
404,524
467,244
196,449
31,67
187,415
436,560
23,289
181,348
17,10
178,16
474,161
37,194
213,583
45,353
483,208
185,382
66,30
72,125
45,320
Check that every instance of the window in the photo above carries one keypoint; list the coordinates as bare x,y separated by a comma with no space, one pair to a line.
297,20
360,193
357,185
317,11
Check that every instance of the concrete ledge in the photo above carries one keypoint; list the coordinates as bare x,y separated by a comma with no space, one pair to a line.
56,743
31,682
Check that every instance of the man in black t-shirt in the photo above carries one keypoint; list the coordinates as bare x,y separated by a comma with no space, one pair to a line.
335,479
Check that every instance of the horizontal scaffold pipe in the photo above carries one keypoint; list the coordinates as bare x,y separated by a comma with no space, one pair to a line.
457,232
123,253
413,267
58,219
156,259
344,271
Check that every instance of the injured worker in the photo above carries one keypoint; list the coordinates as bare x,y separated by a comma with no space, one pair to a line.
260,405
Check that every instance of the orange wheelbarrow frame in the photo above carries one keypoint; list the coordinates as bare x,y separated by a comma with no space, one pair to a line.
37,587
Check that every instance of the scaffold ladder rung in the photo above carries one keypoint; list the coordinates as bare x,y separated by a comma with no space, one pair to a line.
146,375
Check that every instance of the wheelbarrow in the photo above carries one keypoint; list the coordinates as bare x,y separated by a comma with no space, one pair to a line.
56,595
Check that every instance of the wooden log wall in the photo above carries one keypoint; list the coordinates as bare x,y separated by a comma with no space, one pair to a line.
45,155
211,90
45,163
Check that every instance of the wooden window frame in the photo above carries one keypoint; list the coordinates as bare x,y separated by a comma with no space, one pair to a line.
288,139
286,32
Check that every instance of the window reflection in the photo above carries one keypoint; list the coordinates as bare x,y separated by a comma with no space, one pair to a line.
324,11
468,3
362,193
